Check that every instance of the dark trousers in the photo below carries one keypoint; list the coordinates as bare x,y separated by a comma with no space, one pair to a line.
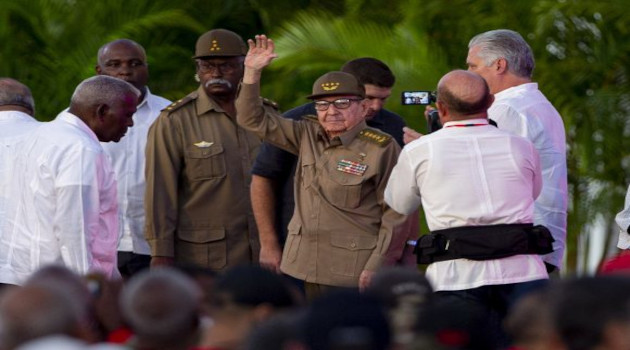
493,302
130,263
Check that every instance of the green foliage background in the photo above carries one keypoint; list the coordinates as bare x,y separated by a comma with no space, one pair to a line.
581,49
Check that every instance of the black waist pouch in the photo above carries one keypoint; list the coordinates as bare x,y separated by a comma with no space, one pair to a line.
483,242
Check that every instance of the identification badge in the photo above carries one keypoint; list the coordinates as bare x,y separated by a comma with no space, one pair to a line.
350,167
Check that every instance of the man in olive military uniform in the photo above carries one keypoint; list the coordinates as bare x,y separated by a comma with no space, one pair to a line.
341,227
198,167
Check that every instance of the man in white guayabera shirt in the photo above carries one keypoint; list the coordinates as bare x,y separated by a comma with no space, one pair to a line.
125,59
17,110
477,186
505,60
66,209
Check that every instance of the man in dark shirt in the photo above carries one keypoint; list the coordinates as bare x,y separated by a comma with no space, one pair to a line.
274,168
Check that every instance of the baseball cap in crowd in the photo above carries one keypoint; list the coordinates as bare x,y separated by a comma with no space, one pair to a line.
335,84
220,43
391,283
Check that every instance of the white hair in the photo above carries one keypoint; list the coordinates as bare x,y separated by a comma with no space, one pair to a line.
507,44
101,89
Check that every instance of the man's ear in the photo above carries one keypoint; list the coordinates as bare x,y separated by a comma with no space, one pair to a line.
101,111
441,107
501,65
97,68
365,104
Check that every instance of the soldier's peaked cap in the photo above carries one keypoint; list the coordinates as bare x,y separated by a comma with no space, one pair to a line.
220,42
336,84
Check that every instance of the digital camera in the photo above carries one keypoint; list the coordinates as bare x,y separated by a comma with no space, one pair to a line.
417,97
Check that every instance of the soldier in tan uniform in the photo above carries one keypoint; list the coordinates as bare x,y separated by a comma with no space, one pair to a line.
198,167
341,227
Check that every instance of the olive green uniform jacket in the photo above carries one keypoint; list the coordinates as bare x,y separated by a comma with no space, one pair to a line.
198,174
341,224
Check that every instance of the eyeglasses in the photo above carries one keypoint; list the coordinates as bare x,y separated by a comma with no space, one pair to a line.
341,103
224,68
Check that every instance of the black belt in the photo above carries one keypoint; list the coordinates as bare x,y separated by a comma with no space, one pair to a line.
483,242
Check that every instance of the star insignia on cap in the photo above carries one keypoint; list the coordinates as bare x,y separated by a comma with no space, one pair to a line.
330,86
215,46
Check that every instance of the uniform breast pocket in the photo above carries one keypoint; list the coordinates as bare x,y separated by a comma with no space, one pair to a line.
205,163
343,190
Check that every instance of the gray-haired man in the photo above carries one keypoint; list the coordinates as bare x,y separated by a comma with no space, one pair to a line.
505,60
67,191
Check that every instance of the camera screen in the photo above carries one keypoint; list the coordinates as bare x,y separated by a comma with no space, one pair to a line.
416,98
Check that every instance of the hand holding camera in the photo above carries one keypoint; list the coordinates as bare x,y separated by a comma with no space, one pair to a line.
424,98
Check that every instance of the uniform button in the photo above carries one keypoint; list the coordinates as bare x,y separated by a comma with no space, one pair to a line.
353,245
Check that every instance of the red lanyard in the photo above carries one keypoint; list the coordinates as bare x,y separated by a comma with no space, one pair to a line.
464,125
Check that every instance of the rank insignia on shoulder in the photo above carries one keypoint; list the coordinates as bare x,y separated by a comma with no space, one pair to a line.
310,117
350,167
375,136
177,104
271,103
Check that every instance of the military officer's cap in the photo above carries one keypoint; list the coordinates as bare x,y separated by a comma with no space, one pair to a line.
335,84
220,42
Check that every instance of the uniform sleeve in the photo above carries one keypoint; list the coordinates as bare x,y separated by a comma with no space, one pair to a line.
84,240
390,218
265,121
402,192
163,164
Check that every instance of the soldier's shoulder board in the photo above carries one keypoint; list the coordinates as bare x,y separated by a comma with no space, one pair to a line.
179,103
310,117
375,136
269,102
